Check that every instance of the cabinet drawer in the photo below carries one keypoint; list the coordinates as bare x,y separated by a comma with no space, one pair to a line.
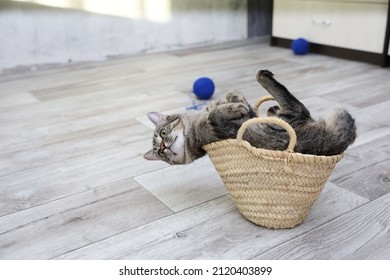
358,26
353,1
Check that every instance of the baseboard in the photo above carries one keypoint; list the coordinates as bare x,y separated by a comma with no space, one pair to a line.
368,57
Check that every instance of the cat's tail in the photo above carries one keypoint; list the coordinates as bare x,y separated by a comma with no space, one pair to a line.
341,129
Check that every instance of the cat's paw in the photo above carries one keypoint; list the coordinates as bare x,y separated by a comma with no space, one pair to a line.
273,111
238,110
235,96
228,112
213,104
263,75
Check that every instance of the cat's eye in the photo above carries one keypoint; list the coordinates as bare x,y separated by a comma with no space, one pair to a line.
163,133
161,153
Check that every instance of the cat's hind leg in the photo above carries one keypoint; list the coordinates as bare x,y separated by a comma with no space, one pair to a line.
286,100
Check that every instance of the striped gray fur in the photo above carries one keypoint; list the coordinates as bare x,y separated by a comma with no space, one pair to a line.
178,138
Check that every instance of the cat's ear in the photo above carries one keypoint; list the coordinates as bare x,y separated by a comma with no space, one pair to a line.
150,155
156,117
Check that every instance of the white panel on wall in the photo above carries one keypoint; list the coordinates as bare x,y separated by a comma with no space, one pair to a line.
32,33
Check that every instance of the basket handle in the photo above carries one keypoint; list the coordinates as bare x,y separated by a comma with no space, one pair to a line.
269,120
261,100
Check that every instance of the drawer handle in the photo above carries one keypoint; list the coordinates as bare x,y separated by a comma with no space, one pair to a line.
325,22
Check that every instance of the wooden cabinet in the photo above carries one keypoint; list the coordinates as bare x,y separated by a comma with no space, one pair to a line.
351,25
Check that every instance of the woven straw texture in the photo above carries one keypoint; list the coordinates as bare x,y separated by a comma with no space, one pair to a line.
274,189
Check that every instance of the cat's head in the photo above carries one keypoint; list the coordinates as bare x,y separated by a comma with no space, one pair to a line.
168,139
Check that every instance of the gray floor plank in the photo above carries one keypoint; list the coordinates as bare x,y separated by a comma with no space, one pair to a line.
213,231
371,182
361,234
35,186
182,187
73,222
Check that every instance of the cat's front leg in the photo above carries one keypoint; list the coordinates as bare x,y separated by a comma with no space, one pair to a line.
213,104
236,96
226,119
229,111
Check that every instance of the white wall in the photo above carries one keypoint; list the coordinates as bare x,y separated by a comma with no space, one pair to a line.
32,33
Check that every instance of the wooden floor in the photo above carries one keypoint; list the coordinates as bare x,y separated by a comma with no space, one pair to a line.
74,184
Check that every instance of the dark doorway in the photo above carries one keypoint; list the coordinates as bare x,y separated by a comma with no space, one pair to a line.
259,17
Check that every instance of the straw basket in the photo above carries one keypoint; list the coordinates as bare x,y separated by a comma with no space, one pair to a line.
274,189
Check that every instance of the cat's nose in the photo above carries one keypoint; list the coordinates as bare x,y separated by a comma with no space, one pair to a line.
162,146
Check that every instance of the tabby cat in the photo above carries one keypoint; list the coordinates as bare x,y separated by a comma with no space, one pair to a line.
178,138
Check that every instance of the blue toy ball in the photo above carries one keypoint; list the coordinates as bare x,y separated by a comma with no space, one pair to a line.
203,88
300,46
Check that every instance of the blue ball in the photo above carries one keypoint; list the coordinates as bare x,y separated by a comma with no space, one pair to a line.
203,88
300,46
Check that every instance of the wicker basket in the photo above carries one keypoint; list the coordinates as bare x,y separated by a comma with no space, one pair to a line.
274,189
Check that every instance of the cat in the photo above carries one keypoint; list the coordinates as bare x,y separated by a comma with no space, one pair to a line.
178,138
